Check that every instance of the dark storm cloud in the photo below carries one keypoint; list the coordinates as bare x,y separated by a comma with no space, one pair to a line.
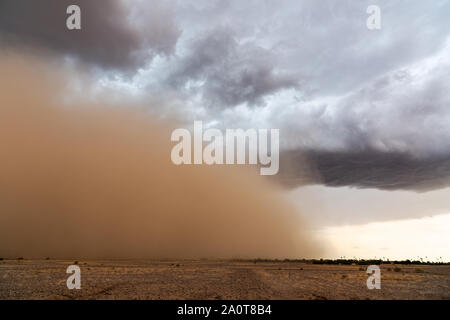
109,37
371,107
324,46
392,133
229,72
364,169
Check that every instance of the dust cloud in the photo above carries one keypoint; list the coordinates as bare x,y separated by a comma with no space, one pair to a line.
92,180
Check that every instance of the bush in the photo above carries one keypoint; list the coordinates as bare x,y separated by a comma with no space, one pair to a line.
419,270
397,269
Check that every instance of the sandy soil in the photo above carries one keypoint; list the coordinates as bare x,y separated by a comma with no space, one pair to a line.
46,279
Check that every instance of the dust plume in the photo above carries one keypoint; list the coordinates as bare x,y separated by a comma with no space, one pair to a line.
91,180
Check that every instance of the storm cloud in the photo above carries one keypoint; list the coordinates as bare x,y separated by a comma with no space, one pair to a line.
229,73
354,106
112,36
365,169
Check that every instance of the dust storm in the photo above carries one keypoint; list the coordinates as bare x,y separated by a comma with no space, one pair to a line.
83,178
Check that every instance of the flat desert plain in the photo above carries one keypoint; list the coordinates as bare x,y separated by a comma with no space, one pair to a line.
217,279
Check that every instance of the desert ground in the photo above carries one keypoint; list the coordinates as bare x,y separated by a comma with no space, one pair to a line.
217,279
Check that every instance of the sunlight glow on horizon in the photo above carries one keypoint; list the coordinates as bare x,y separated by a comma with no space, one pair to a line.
425,238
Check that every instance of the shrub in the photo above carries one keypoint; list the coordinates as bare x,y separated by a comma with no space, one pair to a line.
397,269
419,270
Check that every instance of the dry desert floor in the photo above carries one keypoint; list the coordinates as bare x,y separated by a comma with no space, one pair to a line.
207,279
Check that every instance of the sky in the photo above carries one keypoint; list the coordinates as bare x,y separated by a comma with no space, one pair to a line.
424,239
364,115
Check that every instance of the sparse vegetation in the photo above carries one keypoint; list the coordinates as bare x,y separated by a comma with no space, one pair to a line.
360,262
33,277
418,270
